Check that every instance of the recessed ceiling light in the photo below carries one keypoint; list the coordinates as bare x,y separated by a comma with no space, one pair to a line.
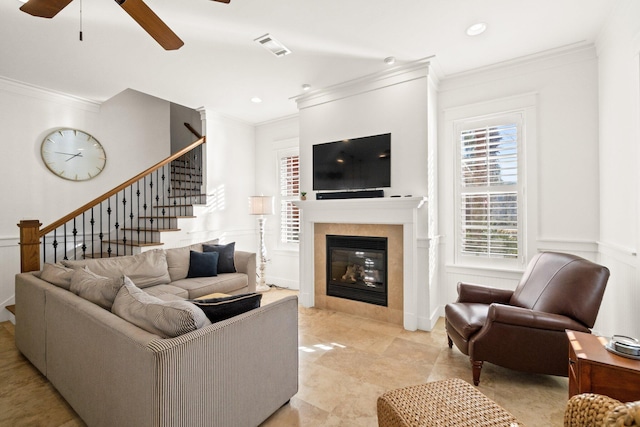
256,100
476,29
306,87
390,60
272,45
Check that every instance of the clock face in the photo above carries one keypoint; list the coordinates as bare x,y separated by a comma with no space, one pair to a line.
73,154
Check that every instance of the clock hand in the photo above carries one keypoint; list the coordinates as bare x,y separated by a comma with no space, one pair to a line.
68,154
74,155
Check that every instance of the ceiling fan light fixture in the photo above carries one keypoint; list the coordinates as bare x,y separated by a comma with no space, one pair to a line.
476,29
272,45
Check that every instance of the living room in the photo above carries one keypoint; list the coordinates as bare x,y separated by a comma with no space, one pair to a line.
582,101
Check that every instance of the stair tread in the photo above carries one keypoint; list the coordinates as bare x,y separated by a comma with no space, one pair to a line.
12,309
142,230
189,195
167,217
173,206
132,243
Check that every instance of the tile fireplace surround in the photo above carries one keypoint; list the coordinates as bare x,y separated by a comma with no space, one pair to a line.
401,220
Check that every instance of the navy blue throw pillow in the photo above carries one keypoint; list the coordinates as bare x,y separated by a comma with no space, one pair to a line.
218,309
203,264
225,260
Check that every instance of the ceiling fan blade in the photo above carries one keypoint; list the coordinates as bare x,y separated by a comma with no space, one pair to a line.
151,23
44,8
223,1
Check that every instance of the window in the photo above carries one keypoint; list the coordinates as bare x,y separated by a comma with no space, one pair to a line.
489,188
289,191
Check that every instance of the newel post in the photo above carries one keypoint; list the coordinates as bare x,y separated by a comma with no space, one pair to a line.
29,245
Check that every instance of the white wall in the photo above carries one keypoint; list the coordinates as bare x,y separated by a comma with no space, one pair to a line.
619,82
180,135
230,180
561,170
271,139
130,126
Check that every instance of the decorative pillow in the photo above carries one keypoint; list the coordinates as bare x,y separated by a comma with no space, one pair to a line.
165,318
145,269
203,264
218,309
225,260
57,274
178,259
97,289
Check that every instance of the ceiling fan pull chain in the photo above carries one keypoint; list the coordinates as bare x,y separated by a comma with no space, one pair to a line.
80,20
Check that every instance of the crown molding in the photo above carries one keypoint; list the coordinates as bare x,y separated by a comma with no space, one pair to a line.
33,91
551,58
400,74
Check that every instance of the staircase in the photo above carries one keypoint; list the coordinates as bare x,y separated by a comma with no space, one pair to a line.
139,215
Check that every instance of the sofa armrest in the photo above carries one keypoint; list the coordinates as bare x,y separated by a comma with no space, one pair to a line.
235,372
518,316
468,292
246,263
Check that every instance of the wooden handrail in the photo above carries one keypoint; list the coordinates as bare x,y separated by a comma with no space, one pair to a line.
119,188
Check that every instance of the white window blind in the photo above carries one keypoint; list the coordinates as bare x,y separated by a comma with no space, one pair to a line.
489,216
289,191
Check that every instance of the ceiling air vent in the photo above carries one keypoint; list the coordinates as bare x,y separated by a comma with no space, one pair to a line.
273,45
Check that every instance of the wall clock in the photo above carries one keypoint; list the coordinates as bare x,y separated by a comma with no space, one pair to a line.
73,154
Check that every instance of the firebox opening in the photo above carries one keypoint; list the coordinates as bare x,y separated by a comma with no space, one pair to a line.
357,268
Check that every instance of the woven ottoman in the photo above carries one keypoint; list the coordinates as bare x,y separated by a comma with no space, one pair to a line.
451,402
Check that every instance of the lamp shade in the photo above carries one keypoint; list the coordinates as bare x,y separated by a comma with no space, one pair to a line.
261,205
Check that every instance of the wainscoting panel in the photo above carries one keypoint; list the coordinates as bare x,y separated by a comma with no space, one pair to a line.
619,311
9,267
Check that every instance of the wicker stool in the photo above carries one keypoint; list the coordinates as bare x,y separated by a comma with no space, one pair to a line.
452,402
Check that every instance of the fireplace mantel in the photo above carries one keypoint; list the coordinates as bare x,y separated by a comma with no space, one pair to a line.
410,212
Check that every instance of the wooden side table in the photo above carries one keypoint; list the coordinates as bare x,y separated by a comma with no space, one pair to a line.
593,369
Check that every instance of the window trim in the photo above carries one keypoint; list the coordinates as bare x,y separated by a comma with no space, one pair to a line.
526,105
475,123
280,154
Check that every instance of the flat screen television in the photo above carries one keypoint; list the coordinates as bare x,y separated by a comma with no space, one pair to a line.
353,164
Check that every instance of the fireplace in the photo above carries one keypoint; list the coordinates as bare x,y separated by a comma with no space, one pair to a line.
357,268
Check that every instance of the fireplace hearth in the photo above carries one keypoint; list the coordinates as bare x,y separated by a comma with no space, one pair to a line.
357,268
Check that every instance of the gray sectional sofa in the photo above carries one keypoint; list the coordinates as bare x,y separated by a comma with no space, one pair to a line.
235,372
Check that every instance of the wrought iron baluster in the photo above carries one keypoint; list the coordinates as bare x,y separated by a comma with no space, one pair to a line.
75,242
109,227
64,241
93,234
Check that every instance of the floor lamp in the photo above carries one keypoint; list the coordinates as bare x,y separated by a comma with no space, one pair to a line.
261,205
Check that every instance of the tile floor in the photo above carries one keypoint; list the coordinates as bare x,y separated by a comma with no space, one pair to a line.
346,362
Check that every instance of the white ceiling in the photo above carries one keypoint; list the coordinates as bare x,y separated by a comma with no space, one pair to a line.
222,68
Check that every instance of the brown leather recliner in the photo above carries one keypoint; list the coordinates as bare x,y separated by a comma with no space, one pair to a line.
524,329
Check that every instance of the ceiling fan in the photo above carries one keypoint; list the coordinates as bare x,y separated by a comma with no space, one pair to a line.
137,9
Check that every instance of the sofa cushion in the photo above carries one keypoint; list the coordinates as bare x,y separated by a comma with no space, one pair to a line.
95,288
57,274
167,319
145,269
203,264
161,291
225,261
178,259
231,283
218,309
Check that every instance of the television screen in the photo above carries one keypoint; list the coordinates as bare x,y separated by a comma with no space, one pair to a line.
353,164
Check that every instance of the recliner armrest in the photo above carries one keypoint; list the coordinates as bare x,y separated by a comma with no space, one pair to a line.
469,292
519,316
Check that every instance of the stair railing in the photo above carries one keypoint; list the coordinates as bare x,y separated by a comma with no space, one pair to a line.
130,215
